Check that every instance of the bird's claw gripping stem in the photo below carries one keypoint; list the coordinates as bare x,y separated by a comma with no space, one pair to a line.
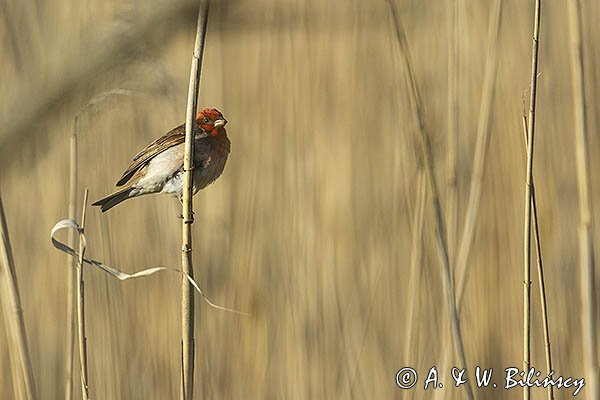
180,216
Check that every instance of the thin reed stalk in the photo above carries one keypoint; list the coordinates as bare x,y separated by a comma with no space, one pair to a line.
586,227
425,143
71,281
528,188
481,145
540,270
83,366
187,292
13,314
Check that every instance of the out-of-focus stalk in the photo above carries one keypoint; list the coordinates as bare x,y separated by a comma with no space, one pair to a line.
15,324
586,229
442,242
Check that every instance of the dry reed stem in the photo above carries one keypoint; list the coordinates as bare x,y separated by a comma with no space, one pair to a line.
425,142
71,276
528,187
15,324
540,270
187,292
15,363
586,228
483,135
85,394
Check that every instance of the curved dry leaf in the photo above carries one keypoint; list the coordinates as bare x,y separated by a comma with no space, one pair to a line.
120,275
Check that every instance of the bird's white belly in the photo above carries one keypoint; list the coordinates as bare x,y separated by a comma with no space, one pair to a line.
163,173
174,185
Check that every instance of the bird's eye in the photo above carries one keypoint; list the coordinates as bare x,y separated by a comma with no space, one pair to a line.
205,120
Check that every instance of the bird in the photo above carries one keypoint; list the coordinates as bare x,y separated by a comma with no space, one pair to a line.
158,168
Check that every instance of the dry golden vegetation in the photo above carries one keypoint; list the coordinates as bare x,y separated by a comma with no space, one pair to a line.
314,228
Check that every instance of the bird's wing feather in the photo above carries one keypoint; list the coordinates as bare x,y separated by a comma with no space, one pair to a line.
172,138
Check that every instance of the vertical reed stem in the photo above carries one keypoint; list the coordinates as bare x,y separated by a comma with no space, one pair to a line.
586,228
528,187
540,269
187,292
15,323
70,334
85,393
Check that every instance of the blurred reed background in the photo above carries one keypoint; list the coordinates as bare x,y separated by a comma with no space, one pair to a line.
312,226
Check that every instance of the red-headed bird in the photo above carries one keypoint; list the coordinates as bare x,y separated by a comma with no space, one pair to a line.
159,167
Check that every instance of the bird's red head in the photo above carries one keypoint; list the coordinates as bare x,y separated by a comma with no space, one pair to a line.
211,121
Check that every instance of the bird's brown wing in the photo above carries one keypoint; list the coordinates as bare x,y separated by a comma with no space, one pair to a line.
172,138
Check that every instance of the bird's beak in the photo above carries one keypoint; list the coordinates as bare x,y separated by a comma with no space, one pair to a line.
220,122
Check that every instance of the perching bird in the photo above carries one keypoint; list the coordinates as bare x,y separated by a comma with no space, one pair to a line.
159,167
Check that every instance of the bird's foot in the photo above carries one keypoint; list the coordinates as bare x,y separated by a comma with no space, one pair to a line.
180,216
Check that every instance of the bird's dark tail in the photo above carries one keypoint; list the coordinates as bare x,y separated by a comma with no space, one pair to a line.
113,199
